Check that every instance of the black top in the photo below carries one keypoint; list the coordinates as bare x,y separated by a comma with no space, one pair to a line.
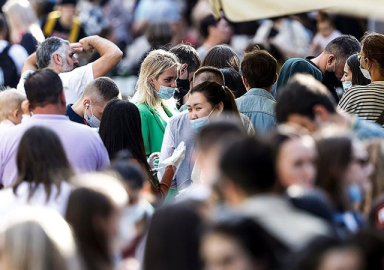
61,31
29,43
73,116
329,80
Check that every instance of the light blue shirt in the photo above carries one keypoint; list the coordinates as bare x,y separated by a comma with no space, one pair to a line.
179,129
259,106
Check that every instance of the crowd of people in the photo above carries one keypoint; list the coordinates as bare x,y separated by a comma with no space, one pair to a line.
255,146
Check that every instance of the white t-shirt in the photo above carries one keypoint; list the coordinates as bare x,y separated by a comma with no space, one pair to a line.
5,125
10,201
73,81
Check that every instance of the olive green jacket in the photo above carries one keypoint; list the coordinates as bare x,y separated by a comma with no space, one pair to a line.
153,127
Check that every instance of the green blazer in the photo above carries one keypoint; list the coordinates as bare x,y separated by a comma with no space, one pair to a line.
153,127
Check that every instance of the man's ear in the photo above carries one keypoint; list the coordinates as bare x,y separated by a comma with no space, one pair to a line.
231,192
57,59
62,98
321,112
275,79
85,102
245,82
331,59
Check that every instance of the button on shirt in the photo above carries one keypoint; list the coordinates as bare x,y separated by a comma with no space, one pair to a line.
259,106
84,148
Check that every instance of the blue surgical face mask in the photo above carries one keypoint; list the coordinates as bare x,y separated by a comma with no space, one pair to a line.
165,92
91,121
199,123
347,85
354,193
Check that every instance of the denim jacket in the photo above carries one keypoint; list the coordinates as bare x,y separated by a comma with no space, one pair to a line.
259,106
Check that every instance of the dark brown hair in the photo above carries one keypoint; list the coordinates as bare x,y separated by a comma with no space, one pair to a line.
259,68
373,48
334,156
221,56
41,159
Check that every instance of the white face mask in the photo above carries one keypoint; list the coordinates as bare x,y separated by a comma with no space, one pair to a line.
91,121
347,85
365,72
128,233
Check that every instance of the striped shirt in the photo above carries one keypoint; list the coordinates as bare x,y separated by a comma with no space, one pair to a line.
366,101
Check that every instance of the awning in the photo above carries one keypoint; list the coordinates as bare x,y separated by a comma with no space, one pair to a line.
249,10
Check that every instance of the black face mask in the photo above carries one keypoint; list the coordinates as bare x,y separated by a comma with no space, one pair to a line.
331,79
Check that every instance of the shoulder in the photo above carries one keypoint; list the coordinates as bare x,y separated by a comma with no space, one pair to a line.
76,72
143,108
367,130
179,118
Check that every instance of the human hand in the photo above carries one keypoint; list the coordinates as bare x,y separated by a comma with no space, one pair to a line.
76,47
25,107
178,155
86,43
153,161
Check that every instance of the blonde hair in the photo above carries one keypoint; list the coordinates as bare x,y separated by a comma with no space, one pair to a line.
37,238
156,62
10,100
22,18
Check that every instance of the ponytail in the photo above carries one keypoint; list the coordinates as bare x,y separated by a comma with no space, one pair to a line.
229,102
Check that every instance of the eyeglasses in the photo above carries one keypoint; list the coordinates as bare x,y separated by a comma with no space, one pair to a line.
362,161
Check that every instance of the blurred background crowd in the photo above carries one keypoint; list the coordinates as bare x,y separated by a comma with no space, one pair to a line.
149,134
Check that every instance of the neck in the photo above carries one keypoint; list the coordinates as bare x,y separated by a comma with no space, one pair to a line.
78,108
50,109
55,68
268,89
376,75
320,60
211,42
341,118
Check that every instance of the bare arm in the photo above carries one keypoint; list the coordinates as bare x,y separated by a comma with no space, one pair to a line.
110,54
30,63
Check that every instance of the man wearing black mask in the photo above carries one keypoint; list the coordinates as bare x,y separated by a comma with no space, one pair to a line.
190,62
328,67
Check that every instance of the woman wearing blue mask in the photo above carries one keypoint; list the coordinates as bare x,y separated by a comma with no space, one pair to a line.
343,170
367,101
156,83
352,73
207,101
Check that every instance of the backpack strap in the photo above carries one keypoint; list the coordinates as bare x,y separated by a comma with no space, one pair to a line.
75,29
6,49
380,120
51,22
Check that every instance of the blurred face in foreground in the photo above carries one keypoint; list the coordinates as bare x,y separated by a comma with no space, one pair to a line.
296,162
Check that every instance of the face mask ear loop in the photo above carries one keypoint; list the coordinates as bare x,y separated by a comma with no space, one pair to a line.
91,109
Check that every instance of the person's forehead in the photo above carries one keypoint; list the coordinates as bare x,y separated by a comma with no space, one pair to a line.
169,72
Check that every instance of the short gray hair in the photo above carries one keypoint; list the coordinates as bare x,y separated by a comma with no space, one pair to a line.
46,50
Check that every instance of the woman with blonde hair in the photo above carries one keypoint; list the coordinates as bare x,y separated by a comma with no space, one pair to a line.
23,24
36,238
156,83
